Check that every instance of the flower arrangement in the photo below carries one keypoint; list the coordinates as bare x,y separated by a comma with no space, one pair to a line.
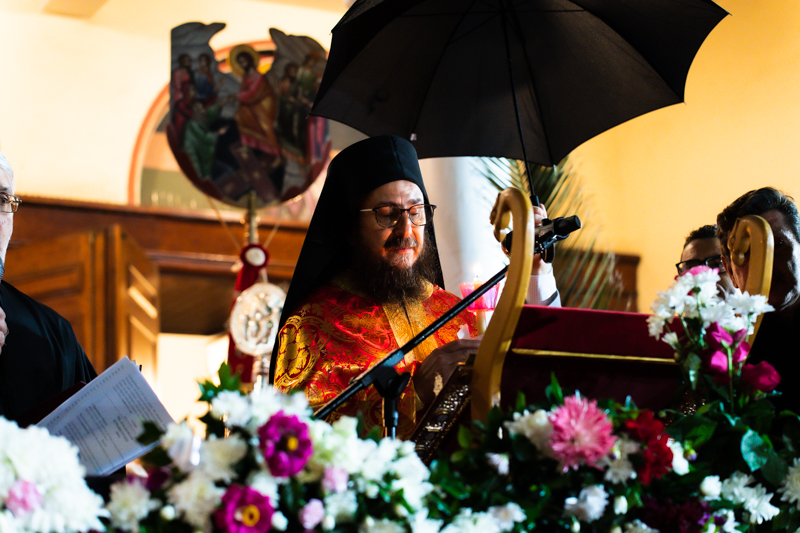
567,464
266,465
42,488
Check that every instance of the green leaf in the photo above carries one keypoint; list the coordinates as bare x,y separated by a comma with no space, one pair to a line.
150,433
775,469
554,392
464,437
755,451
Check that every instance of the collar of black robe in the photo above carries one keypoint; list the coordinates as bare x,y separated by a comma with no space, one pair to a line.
355,172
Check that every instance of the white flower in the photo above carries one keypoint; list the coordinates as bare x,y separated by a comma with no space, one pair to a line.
679,463
279,521
746,304
264,483
499,461
735,487
167,513
759,506
655,325
219,456
730,521
619,468
671,338
370,525
615,529
341,506
420,523
535,426
711,487
234,406
195,498
790,488
182,446
507,515
589,505
468,522
637,526
620,505
130,502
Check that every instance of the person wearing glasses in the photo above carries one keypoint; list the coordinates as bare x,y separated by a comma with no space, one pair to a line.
367,281
39,354
702,248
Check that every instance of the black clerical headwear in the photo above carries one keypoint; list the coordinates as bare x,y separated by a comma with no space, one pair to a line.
355,172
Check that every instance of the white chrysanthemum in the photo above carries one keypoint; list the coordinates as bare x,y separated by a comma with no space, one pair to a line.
279,521
620,505
679,463
263,482
730,521
232,406
671,338
268,402
341,506
655,325
535,426
420,523
376,464
746,304
507,515
589,505
619,468
637,526
182,445
468,522
67,503
498,461
759,506
195,498
790,487
735,488
711,488
370,525
130,502
219,456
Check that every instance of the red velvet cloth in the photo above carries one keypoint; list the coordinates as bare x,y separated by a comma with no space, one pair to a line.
585,332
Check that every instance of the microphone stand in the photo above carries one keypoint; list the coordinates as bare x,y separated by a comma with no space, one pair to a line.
388,382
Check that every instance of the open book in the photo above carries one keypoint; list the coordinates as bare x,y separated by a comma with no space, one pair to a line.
104,418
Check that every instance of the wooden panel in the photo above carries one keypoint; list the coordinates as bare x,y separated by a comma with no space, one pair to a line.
195,254
67,274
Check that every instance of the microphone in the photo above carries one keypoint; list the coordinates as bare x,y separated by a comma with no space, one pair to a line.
550,232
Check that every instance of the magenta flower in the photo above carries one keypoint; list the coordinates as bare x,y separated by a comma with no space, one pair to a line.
699,269
335,479
23,496
719,341
581,433
311,514
285,443
244,510
762,376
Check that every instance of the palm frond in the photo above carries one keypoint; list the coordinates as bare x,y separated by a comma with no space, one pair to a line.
587,277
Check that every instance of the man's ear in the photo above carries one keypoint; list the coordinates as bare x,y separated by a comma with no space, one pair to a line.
727,264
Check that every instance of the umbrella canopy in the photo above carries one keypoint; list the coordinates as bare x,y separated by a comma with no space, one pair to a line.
523,79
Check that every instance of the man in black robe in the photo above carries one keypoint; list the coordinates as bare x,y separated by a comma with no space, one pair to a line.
39,354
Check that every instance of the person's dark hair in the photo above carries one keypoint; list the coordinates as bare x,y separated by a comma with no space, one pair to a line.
756,202
709,231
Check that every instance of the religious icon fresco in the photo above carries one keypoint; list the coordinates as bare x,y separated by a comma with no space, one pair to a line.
239,125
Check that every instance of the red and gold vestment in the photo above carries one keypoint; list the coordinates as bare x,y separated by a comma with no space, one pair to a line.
338,333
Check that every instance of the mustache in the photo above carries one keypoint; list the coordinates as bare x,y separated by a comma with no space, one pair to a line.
396,241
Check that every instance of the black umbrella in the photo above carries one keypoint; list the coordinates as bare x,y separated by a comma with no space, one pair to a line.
522,79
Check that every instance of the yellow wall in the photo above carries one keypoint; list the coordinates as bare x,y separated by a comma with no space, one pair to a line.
661,175
73,93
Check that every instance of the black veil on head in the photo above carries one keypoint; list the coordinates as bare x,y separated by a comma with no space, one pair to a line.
354,173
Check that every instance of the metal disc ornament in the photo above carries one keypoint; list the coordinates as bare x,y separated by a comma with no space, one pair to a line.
254,319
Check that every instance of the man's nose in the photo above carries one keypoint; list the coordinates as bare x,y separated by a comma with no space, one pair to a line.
403,227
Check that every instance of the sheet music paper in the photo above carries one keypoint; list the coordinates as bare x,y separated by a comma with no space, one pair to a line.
104,418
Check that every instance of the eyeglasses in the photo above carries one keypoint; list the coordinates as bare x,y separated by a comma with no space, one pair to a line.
9,203
715,261
387,216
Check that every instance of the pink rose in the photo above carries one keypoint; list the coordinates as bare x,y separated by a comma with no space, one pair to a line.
718,362
699,269
762,376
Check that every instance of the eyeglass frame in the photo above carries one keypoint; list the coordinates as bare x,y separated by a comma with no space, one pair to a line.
406,211
9,199
703,262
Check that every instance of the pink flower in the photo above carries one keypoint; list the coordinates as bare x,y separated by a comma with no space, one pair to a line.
244,510
311,514
285,444
699,269
762,376
719,342
581,433
23,496
335,479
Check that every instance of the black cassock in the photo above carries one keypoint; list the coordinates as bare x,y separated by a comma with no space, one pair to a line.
41,356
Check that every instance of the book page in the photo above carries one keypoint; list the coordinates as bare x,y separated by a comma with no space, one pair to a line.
104,418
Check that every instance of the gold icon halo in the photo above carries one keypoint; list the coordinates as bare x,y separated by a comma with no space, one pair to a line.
240,49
